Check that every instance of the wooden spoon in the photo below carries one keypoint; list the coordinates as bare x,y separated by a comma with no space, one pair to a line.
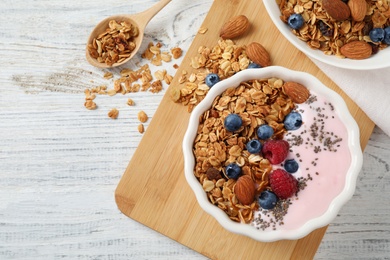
140,20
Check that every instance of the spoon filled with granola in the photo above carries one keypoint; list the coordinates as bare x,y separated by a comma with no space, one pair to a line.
116,39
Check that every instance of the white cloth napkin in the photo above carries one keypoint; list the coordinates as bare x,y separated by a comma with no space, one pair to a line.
370,90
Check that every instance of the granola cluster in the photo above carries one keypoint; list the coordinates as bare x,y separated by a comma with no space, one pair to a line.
257,102
324,33
225,59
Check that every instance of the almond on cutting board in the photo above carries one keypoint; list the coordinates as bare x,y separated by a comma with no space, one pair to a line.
297,92
358,9
235,27
336,9
258,54
356,50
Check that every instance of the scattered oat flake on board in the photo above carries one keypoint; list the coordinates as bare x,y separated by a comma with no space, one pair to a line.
160,74
130,102
141,128
142,116
168,79
176,52
89,97
202,30
156,86
90,105
113,113
108,75
225,59
156,55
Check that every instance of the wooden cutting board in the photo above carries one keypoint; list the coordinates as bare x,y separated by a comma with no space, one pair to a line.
153,189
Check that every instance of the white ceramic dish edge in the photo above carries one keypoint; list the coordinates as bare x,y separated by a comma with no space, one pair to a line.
377,61
353,141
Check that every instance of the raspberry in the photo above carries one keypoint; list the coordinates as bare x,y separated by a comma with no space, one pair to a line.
283,184
275,151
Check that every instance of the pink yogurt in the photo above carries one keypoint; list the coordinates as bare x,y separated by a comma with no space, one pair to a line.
326,165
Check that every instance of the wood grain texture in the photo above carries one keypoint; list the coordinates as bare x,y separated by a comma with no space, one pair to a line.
60,163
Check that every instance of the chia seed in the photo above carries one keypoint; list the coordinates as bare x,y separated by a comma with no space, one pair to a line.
311,99
328,141
275,215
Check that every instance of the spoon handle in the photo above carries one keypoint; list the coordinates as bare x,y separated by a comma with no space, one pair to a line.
144,17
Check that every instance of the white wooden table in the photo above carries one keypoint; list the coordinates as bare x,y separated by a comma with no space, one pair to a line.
60,163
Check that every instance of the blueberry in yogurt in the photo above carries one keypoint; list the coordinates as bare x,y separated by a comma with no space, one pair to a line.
293,121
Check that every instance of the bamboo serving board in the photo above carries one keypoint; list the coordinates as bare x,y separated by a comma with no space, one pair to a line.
153,189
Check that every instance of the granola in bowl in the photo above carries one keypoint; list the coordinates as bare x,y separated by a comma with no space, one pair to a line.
230,176
331,32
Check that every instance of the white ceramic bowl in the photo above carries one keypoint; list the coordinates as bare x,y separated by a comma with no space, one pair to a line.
377,61
336,203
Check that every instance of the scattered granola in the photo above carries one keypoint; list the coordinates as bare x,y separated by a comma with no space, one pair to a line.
113,113
89,97
130,102
176,52
108,75
141,79
202,30
141,128
142,116
225,59
156,56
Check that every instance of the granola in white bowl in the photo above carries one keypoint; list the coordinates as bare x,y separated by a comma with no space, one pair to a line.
327,135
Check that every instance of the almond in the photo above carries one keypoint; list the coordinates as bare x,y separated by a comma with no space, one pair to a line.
297,92
245,190
358,9
258,54
356,50
336,9
235,27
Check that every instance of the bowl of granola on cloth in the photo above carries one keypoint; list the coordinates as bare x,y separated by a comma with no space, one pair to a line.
353,34
272,153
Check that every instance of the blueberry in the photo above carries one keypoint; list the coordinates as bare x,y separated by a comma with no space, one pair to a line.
211,79
387,35
264,132
291,166
254,146
233,122
268,199
293,121
233,171
377,34
295,21
253,66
